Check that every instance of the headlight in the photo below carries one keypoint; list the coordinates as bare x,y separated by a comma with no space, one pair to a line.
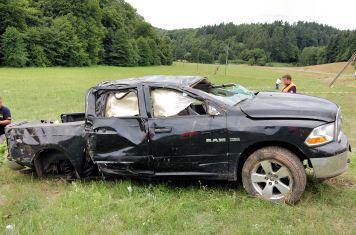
338,124
321,135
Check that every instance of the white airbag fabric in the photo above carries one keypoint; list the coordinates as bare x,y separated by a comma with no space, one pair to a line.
122,104
167,103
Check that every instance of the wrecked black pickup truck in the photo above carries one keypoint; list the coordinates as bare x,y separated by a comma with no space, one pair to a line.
162,126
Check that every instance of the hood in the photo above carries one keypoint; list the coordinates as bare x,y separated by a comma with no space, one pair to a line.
291,106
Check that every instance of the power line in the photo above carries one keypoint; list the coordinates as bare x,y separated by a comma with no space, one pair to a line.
227,59
352,59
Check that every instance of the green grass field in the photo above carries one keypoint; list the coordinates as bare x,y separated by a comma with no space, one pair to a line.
96,207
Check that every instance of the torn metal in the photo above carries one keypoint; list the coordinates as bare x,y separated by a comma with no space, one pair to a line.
28,140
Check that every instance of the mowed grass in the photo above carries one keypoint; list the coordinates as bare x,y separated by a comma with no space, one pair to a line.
333,68
126,206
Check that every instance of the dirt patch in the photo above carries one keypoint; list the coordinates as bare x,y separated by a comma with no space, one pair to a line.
342,182
332,68
339,227
50,190
3,201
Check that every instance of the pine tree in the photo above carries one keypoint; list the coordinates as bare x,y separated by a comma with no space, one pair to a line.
155,59
13,48
119,49
166,52
144,52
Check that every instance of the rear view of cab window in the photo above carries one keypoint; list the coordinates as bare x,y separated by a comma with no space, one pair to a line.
122,104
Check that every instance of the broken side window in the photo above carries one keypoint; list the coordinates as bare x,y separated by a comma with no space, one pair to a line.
169,103
122,104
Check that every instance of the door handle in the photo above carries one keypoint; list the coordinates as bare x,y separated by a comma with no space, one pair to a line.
163,129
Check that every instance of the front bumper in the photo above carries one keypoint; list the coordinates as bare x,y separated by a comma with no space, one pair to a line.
328,167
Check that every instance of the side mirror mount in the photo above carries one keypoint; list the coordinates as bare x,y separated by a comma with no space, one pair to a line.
212,111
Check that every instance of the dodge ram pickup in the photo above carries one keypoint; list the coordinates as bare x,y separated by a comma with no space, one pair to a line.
185,126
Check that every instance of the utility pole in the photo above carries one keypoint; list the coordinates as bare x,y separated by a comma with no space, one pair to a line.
352,59
227,59
198,61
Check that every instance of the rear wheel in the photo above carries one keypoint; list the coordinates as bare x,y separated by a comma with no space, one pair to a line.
275,174
54,163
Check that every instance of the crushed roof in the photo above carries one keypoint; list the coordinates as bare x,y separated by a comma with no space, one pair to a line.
161,79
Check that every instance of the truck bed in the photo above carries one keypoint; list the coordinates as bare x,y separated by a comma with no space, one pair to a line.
27,139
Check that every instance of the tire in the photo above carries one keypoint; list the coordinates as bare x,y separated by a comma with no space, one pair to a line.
38,167
275,174
54,164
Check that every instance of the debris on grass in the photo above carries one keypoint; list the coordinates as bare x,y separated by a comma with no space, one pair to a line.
6,216
10,228
129,189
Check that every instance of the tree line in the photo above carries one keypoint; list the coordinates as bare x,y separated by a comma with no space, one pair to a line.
78,33
303,43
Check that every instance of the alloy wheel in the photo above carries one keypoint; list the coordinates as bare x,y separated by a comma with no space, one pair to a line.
271,179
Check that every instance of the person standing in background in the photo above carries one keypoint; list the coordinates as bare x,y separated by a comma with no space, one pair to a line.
5,119
278,82
289,86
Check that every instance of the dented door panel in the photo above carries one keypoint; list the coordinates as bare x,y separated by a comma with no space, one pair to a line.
120,145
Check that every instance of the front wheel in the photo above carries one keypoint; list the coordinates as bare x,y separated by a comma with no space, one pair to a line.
275,174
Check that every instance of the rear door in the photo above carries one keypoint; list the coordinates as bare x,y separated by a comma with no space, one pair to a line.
118,140
184,138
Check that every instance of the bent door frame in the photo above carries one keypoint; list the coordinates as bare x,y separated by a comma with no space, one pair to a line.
132,159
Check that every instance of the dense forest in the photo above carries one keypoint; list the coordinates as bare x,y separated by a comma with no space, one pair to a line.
300,43
78,33
110,32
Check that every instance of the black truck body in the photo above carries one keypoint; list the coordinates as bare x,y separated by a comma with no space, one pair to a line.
211,139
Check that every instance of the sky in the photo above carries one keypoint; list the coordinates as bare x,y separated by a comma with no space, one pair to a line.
176,14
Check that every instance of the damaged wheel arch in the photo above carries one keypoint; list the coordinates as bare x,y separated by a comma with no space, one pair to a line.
52,160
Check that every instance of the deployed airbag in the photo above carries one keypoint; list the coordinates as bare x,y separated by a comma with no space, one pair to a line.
122,104
167,102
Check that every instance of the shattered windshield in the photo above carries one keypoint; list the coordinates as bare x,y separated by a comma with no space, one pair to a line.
232,94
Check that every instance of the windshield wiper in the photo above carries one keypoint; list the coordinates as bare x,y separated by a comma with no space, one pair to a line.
241,101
